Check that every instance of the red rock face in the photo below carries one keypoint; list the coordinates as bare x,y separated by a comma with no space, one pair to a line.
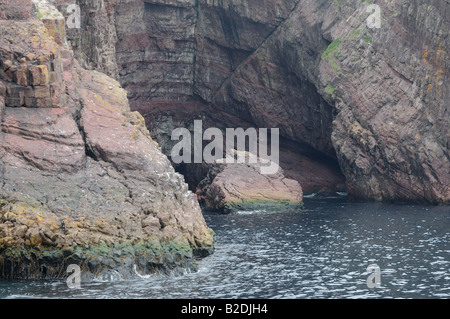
206,64
232,184
375,99
79,170
47,138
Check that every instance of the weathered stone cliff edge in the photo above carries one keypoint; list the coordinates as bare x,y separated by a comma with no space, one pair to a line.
82,182
374,99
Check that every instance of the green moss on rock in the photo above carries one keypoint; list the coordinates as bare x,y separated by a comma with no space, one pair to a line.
263,205
331,53
31,262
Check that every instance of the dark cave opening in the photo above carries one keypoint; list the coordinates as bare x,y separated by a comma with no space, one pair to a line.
314,170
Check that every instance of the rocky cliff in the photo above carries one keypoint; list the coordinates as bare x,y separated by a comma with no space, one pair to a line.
374,100
82,181
354,103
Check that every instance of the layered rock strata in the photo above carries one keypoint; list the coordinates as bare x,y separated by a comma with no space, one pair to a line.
242,187
175,57
82,181
374,99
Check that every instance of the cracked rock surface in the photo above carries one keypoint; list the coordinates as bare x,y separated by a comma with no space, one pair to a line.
82,181
374,99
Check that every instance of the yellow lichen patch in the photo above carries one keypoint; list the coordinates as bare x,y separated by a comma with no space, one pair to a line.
440,53
29,37
360,134
425,56
439,73
30,56
35,238
135,134
355,128
6,242
21,214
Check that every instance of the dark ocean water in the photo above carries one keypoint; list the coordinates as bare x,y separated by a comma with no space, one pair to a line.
320,252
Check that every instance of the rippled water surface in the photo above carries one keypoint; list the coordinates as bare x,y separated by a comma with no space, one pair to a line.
320,252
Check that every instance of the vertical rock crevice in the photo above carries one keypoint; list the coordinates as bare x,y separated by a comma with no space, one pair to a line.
186,67
372,98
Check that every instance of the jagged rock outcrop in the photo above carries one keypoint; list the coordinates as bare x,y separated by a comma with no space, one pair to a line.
375,99
82,182
235,186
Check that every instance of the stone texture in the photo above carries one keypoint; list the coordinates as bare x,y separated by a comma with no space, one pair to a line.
93,44
237,186
83,182
47,138
372,99
16,9
30,69
177,70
